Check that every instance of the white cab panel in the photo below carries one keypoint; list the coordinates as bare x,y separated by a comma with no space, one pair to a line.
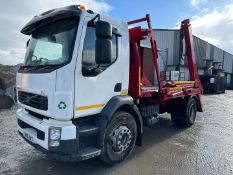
93,93
41,84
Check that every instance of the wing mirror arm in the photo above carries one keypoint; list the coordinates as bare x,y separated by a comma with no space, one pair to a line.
27,43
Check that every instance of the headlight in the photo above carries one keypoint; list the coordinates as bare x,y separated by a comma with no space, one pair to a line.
54,136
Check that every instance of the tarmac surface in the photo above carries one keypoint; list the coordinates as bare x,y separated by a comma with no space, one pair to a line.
205,148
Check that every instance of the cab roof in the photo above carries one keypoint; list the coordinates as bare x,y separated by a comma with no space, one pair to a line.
50,16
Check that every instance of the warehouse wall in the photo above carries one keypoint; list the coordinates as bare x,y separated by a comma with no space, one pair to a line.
148,64
170,40
228,80
228,62
218,54
209,47
200,47
185,70
167,40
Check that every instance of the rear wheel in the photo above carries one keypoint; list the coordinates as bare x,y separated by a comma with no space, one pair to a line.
120,137
185,114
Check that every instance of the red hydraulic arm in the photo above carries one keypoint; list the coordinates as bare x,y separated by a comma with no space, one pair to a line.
187,33
138,35
139,86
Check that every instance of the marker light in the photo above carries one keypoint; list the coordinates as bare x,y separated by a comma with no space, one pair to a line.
81,7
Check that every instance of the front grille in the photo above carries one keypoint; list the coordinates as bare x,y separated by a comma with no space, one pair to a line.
33,100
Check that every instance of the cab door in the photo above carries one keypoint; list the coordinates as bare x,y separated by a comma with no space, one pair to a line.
95,84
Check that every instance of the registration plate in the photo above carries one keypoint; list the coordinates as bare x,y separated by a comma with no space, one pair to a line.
29,137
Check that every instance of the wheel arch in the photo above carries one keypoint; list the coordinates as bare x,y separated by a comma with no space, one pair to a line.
175,104
197,98
124,103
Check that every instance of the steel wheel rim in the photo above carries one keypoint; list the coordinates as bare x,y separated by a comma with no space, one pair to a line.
121,138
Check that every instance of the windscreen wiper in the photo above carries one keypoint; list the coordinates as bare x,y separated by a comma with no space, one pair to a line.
39,67
27,67
49,66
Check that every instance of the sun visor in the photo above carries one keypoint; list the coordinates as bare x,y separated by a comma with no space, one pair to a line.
49,17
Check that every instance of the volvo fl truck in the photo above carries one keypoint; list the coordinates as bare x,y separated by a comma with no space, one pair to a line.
84,90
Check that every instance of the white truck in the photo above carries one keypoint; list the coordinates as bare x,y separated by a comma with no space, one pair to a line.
82,90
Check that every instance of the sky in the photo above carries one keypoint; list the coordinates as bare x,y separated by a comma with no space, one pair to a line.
212,20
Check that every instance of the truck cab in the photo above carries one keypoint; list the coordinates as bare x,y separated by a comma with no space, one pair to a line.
77,88
61,81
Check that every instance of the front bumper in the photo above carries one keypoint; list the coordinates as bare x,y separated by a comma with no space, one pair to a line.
36,132
65,157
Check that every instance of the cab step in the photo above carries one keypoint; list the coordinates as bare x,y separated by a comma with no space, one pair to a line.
88,130
83,154
90,152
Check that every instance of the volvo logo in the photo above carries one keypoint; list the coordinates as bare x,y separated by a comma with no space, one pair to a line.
28,98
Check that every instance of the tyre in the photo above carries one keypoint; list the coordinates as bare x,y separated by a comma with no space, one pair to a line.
119,139
186,113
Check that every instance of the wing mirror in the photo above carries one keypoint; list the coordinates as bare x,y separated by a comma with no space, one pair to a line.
103,43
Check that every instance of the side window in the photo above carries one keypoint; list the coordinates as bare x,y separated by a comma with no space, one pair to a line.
114,48
89,48
89,66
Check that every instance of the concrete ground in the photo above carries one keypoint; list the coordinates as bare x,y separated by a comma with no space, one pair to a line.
205,148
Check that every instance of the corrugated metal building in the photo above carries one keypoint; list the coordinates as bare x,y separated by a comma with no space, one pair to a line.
168,42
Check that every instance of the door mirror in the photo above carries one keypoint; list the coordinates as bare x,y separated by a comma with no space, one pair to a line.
103,43
103,51
103,29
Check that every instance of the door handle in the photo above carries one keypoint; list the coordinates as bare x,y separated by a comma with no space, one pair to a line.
118,87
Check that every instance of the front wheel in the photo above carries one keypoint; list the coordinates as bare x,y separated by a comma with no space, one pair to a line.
185,114
119,139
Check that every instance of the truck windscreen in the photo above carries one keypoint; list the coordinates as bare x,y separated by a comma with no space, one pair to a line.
52,44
